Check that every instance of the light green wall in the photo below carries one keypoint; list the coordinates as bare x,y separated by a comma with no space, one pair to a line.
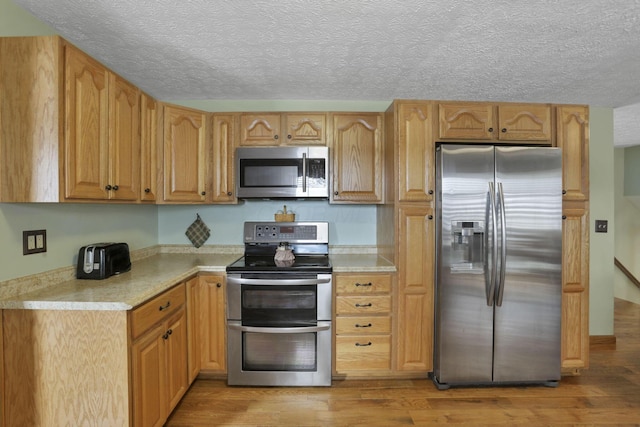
627,232
601,205
631,184
15,21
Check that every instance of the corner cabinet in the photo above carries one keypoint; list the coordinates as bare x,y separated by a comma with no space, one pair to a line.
102,134
82,142
224,143
357,157
148,148
186,155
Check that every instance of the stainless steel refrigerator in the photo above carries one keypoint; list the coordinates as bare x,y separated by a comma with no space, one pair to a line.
498,265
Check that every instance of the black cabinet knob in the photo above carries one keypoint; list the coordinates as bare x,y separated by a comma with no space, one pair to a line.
430,191
275,137
229,193
430,217
203,193
147,190
564,217
115,188
218,285
564,191
335,193
108,187
504,130
288,136
490,130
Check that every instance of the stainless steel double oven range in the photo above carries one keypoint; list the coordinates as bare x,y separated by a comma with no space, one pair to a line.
279,313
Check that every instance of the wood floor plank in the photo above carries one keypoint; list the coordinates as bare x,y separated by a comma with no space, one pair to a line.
608,393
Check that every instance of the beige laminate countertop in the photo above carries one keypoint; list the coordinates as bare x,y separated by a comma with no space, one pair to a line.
151,276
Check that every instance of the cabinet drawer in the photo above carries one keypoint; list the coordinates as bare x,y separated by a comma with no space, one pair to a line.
153,311
363,352
363,304
363,325
362,284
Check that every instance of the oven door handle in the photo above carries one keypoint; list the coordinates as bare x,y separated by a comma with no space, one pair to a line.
278,282
294,330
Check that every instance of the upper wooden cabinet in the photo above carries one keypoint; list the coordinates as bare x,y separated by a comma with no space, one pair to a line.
356,153
148,148
490,122
572,123
186,155
283,129
416,151
82,142
102,134
224,144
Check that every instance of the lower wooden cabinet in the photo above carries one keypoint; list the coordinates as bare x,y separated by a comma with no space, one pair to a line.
159,364
575,290
415,288
212,324
363,324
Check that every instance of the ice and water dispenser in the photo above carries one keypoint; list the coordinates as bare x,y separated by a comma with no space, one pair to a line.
467,246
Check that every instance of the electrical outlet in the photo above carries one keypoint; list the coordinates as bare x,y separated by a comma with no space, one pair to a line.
34,242
602,225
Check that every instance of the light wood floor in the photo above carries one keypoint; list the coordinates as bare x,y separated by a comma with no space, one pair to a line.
606,394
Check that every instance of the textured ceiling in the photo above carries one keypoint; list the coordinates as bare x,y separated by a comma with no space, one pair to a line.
563,51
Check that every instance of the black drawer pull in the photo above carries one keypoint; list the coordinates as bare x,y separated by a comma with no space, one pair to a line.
164,307
363,345
363,305
368,325
364,284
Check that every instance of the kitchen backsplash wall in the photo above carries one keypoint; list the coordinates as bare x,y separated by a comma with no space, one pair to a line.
69,227
348,224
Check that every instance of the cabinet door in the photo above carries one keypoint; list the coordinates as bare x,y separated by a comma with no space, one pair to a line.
415,289
148,373
466,121
357,158
575,288
260,129
572,124
193,334
416,152
212,323
224,137
524,122
185,154
124,140
148,148
175,338
86,138
305,129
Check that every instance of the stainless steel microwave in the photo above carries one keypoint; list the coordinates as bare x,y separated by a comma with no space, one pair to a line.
282,172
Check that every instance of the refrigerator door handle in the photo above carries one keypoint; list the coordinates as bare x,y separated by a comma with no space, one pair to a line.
503,246
490,286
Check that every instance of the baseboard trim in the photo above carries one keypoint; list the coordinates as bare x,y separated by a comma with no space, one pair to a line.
601,341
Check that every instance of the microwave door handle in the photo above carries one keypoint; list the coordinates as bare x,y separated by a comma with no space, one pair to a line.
293,330
277,282
304,172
